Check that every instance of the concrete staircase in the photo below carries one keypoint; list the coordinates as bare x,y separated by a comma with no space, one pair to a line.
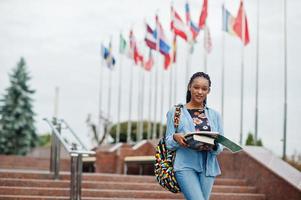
39,185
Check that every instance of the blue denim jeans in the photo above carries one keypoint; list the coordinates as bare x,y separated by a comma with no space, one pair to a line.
195,185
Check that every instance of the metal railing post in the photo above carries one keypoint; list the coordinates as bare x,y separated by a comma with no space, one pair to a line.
55,151
79,176
73,181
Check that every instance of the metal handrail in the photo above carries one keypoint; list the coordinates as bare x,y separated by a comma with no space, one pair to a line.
75,154
58,135
73,133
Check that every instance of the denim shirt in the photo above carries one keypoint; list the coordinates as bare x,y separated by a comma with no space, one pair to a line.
189,159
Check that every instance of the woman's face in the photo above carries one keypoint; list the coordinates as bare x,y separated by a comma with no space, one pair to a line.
199,89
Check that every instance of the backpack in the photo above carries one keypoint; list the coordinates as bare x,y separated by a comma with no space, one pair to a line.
164,172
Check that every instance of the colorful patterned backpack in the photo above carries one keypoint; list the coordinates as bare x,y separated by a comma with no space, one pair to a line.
164,172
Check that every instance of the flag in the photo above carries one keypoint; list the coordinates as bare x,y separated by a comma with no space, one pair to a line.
208,41
164,47
150,38
138,58
238,23
122,44
106,54
150,62
178,27
174,48
228,21
203,16
193,28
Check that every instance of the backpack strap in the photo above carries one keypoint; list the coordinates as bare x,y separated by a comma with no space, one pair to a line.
177,116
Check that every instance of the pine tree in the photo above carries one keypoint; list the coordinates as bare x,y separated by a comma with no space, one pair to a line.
17,130
250,139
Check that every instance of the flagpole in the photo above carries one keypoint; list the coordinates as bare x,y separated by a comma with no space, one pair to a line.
285,82
188,68
139,106
223,74
142,103
156,83
170,83
173,73
175,83
150,106
223,67
100,95
129,127
109,95
242,77
257,78
162,103
205,51
119,100
156,96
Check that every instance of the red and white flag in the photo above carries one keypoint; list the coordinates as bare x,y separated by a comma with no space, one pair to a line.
134,53
203,16
238,25
148,65
179,28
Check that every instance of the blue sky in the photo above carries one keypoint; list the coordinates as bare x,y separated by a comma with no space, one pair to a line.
60,41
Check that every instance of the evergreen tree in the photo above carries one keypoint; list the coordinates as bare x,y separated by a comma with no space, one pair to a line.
250,139
17,130
123,130
259,143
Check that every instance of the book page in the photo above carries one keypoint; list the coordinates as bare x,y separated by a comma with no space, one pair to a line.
203,138
207,133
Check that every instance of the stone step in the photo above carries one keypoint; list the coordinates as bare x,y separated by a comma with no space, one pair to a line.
36,191
30,163
24,197
110,185
214,196
106,177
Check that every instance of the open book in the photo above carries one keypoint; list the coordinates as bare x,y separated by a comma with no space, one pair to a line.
199,138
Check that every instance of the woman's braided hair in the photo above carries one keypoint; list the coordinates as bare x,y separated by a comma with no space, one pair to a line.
194,76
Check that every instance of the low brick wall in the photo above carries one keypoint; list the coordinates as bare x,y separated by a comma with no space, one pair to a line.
113,161
243,165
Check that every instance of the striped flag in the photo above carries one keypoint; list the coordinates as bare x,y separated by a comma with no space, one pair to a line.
164,47
178,27
150,38
135,54
193,27
228,21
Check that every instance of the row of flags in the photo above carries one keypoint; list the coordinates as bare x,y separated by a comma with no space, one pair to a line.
156,40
